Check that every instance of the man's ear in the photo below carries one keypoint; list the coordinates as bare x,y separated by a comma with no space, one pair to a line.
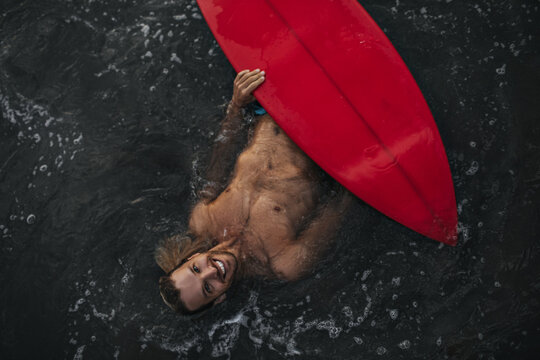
221,298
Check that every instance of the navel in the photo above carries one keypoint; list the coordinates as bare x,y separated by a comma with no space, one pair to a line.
270,166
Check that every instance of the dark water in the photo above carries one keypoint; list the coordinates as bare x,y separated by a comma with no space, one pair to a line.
106,119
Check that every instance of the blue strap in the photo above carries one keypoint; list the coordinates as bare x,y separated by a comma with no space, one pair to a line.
259,110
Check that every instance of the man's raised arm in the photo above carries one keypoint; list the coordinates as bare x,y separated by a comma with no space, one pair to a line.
228,141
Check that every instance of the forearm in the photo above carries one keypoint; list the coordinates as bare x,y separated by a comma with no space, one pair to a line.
227,144
229,139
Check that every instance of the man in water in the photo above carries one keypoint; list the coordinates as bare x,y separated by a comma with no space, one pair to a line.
268,222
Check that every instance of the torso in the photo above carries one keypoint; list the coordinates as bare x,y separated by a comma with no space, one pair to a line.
273,190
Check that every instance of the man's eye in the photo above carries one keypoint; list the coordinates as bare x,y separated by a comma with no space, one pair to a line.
196,269
207,287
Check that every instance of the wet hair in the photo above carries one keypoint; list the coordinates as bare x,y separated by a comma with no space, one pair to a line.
174,250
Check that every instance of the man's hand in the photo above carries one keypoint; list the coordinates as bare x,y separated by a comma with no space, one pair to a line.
245,83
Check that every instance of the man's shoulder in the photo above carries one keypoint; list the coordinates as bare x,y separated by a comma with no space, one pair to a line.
199,220
290,264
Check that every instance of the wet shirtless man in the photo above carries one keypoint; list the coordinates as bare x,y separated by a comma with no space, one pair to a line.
268,222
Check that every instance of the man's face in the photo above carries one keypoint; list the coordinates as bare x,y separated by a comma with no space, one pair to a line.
204,278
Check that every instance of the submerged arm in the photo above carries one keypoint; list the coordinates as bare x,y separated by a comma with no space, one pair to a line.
226,144
299,258
229,140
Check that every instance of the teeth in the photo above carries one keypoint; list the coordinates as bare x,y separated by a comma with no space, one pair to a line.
221,266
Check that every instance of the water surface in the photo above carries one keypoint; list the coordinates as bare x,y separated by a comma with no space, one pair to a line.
107,113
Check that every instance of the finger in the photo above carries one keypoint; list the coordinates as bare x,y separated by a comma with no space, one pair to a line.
244,74
251,73
252,86
250,78
240,76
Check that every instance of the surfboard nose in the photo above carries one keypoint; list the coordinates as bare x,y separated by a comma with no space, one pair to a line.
446,230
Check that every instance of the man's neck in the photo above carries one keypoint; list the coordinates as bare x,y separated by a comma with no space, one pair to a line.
253,261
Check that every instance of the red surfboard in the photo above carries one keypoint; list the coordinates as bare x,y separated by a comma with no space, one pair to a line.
339,89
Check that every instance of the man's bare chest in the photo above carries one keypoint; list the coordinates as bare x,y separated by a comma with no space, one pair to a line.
270,218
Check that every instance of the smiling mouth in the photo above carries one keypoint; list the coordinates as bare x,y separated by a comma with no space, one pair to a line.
221,266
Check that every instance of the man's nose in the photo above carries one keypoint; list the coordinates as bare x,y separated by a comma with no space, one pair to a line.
210,272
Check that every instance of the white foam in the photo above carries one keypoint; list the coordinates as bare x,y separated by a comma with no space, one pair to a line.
79,353
145,29
473,169
404,345
180,17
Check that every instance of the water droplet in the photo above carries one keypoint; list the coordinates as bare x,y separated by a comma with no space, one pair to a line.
381,350
179,17
31,219
347,311
473,169
404,345
77,141
43,168
145,30
394,313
